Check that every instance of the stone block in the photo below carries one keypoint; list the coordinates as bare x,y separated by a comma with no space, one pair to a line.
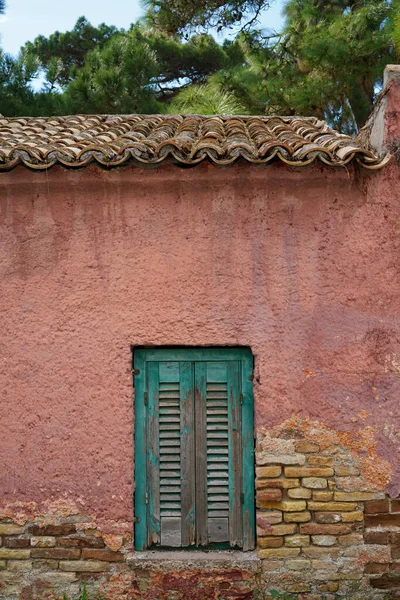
308,471
321,552
282,529
270,542
11,554
297,564
353,539
315,483
284,505
299,493
42,564
89,566
306,447
278,553
357,496
297,541
322,496
43,541
265,472
56,577
299,588
271,565
283,484
332,506
19,565
320,461
56,553
331,586
355,516
108,555
323,540
265,518
10,529
284,459
344,471
297,517
322,517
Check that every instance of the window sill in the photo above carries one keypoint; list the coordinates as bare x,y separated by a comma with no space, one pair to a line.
194,559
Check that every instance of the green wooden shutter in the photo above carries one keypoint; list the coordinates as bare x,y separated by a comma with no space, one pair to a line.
194,434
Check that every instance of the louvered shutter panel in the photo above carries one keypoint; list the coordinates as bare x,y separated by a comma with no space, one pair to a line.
195,432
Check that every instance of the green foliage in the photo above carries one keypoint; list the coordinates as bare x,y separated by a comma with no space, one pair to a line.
178,16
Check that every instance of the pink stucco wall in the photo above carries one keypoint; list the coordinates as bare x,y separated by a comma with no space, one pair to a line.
302,266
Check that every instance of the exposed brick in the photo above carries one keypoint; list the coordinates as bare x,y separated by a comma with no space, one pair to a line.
45,565
297,541
306,447
319,552
395,505
272,565
383,520
91,566
108,555
81,542
396,553
270,542
322,517
376,506
357,516
9,529
354,539
60,577
308,471
297,517
324,496
279,552
323,540
343,471
355,496
387,581
320,461
11,554
331,586
3,565
376,568
283,484
19,565
285,505
56,530
299,493
395,538
299,588
282,459
56,553
332,506
265,518
272,471
43,541
320,529
269,494
315,483
15,542
376,537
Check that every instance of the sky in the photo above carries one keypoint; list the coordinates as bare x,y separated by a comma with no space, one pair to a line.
26,19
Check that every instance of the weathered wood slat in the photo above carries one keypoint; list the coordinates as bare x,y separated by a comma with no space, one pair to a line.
153,460
171,531
201,454
186,379
235,456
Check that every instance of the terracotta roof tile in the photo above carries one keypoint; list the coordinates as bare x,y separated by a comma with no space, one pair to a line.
113,140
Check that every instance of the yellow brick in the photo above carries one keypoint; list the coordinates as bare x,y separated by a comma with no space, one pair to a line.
19,565
299,587
357,515
9,529
281,484
318,552
300,493
282,530
299,564
10,554
342,471
297,517
285,505
332,506
357,496
322,496
308,471
306,447
86,566
279,553
273,471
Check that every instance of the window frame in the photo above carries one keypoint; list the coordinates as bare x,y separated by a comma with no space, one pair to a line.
141,356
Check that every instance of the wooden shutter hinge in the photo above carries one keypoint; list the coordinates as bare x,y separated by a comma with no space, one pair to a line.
242,498
145,398
136,371
241,398
146,496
